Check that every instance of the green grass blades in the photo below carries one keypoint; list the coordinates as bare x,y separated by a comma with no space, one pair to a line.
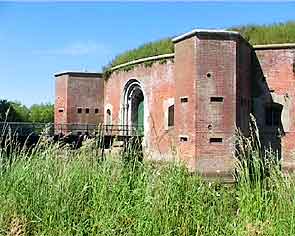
53,190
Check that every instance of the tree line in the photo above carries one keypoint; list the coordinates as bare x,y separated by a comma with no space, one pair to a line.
14,111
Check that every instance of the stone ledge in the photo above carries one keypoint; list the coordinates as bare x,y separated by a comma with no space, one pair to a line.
274,46
141,60
206,32
79,74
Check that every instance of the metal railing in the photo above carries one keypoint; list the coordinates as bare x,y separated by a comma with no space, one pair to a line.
108,130
123,130
26,129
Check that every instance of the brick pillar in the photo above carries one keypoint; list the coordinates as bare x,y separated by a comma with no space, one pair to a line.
206,99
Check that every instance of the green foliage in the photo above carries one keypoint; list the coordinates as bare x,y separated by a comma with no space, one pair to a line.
7,112
159,47
42,113
52,190
22,112
255,34
268,34
15,111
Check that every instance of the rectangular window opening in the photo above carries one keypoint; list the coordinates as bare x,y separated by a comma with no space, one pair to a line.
183,138
184,99
216,99
171,116
215,140
96,110
87,110
79,110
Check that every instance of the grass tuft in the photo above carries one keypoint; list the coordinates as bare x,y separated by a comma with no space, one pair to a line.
54,190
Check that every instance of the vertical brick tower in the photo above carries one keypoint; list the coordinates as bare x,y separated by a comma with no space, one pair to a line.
79,98
211,67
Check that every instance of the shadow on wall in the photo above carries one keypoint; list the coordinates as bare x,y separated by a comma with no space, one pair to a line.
267,112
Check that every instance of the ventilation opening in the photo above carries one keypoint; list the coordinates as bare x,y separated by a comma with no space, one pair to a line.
79,110
60,110
215,140
183,138
208,75
96,110
87,110
216,99
183,99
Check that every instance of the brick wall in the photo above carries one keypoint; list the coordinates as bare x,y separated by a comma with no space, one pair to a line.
79,90
185,111
213,71
217,57
158,85
85,93
277,65
217,79
243,86
60,107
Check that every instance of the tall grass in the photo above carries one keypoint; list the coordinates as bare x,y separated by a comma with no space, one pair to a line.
53,190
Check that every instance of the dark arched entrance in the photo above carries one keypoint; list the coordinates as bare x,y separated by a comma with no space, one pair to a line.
133,107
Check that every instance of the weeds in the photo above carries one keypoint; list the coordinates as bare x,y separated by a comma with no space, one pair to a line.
54,190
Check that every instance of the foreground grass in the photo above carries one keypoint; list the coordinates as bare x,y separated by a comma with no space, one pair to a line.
56,191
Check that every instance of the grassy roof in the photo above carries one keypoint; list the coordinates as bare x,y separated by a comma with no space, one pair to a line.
159,47
268,34
255,34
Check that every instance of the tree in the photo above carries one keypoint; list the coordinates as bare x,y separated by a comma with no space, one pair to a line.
7,112
42,113
23,113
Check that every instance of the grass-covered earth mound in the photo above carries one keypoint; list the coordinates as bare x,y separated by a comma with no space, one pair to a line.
255,34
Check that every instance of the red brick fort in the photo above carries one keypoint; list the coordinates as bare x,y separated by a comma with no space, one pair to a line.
189,103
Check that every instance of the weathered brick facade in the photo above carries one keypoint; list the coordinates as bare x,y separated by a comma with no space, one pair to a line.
194,99
158,85
277,86
79,98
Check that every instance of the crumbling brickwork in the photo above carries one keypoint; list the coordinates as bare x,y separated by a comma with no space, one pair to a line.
278,83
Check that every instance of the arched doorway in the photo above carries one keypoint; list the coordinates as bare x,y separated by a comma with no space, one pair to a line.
109,117
133,107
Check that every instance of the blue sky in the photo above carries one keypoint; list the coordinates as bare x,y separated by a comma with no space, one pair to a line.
40,39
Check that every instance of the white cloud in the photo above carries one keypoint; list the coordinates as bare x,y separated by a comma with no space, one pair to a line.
76,49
